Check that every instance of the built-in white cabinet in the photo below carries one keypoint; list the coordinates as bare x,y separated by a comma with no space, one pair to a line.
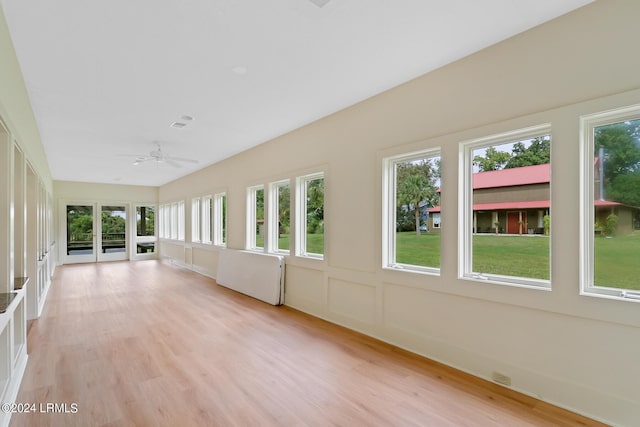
26,263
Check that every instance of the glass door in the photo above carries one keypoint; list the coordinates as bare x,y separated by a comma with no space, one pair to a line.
145,231
112,245
95,232
81,237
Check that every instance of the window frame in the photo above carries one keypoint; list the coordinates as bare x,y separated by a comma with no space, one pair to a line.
252,220
273,217
196,203
588,124
465,208
389,217
220,219
301,216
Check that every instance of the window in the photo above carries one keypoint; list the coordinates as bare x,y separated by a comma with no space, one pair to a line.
206,221
172,220
220,219
280,216
505,200
310,216
611,204
411,237
255,218
145,229
195,220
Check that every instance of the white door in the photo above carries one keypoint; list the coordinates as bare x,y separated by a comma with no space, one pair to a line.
95,232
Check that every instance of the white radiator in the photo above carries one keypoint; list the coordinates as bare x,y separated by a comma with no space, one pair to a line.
255,274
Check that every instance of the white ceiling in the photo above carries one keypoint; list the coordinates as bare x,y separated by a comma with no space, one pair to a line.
106,79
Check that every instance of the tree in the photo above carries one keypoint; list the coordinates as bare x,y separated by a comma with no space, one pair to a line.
416,184
315,206
618,148
493,160
537,153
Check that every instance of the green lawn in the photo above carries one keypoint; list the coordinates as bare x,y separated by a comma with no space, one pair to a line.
315,243
616,263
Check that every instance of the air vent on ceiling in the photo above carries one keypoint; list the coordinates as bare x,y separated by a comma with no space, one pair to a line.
319,3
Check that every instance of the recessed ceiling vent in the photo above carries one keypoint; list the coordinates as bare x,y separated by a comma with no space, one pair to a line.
178,125
319,3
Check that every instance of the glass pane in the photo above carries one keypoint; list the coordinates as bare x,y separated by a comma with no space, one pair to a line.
284,216
315,216
418,212
260,226
616,192
80,230
224,219
511,202
145,229
114,220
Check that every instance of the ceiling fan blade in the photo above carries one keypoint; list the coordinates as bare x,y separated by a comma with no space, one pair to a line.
172,163
180,159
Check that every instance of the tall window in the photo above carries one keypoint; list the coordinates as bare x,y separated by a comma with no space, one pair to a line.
310,216
255,218
505,209
280,216
611,204
220,219
195,220
412,211
206,220
145,229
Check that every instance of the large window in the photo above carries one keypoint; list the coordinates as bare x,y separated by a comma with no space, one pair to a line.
611,204
195,220
310,216
220,219
280,216
255,218
505,196
412,211
172,220
145,229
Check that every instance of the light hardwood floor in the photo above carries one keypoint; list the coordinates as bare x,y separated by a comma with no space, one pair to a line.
148,344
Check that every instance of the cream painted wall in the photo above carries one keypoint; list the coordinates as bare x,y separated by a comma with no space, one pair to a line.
66,190
578,352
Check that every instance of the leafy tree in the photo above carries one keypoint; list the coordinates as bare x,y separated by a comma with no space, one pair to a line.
284,208
492,160
537,153
619,146
315,206
416,184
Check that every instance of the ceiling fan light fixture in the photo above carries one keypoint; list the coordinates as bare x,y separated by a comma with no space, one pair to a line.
319,3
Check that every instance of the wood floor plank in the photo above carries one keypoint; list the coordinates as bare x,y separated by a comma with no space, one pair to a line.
148,344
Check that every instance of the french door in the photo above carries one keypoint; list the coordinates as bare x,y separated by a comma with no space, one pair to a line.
95,232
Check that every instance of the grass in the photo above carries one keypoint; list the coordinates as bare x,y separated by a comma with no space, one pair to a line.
616,262
315,243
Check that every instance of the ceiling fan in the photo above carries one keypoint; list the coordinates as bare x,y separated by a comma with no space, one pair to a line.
159,156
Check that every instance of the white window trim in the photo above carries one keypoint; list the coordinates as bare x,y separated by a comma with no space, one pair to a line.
273,216
389,185
181,220
587,261
252,219
465,208
301,215
195,220
218,218
206,212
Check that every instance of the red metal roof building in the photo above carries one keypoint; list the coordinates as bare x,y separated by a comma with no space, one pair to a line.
516,201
